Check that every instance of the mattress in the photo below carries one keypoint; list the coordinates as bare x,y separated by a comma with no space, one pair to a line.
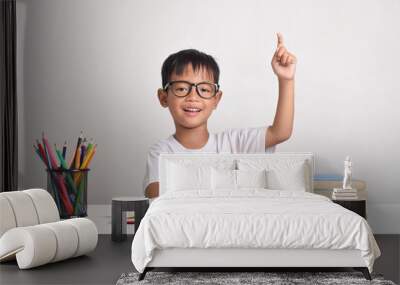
253,218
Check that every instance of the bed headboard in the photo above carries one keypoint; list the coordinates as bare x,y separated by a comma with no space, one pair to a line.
215,159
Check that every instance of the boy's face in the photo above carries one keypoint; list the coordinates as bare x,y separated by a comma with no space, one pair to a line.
181,108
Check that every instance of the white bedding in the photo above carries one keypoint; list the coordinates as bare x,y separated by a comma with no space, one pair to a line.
250,218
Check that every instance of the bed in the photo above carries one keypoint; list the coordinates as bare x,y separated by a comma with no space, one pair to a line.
247,210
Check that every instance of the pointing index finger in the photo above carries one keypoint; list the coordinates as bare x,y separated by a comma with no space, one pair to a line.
280,39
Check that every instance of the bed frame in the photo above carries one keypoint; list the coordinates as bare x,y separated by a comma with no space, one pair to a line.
241,259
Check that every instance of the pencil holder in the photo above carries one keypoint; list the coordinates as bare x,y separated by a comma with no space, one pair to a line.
69,190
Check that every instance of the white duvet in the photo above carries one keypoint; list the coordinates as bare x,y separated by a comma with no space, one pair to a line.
251,218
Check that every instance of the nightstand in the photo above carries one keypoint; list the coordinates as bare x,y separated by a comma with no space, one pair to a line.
357,206
119,206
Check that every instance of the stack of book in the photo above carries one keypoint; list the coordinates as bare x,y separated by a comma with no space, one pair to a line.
344,194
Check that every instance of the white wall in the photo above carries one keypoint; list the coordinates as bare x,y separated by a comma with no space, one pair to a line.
95,66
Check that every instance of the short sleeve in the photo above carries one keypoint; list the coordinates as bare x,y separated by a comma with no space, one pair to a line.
151,172
249,140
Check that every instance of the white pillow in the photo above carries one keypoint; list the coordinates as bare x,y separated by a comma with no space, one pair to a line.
236,179
282,174
251,178
223,179
187,177
289,178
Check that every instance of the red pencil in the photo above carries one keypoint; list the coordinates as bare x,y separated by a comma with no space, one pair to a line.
50,153
43,153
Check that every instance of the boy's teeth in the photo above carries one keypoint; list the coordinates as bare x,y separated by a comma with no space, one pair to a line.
192,109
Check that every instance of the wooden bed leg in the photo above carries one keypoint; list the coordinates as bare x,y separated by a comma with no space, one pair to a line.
143,274
365,272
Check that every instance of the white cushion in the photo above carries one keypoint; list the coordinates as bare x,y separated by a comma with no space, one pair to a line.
40,244
45,206
184,177
33,246
7,218
87,233
230,180
23,208
282,174
67,240
291,178
26,208
223,179
251,178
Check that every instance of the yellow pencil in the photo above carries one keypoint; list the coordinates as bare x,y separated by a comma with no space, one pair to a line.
78,157
88,157
85,164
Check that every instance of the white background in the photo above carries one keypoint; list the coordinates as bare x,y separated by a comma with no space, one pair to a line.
96,65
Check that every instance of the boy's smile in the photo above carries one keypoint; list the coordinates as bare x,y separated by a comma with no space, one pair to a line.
192,110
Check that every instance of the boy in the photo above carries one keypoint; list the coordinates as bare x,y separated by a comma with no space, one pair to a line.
191,93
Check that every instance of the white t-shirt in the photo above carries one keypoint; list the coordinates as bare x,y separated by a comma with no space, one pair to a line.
247,140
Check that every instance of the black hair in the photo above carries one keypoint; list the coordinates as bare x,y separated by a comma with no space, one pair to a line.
177,62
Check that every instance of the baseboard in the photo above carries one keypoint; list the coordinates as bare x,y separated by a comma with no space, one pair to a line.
101,216
383,218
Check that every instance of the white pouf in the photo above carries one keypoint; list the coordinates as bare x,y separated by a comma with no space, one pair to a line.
31,230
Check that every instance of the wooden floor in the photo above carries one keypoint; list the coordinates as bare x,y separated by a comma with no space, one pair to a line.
111,259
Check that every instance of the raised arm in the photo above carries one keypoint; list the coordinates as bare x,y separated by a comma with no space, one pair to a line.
284,66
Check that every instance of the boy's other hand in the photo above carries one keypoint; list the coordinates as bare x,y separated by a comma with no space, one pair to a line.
152,190
283,62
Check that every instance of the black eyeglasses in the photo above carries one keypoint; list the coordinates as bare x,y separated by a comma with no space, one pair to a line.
182,88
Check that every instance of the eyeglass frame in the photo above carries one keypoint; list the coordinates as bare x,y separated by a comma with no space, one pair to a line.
216,85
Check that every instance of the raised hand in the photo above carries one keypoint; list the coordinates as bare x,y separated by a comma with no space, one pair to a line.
283,62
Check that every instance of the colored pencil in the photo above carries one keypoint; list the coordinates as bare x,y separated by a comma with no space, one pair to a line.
83,150
78,157
76,149
88,157
38,153
64,165
90,145
45,154
78,203
84,166
64,150
71,189
64,195
50,153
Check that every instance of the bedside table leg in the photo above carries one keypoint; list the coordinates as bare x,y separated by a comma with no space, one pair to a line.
118,221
